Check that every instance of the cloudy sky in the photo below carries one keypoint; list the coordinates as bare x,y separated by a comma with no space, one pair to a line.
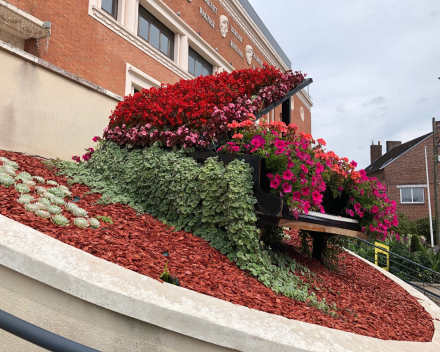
375,66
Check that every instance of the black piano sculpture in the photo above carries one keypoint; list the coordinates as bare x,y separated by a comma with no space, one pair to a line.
272,210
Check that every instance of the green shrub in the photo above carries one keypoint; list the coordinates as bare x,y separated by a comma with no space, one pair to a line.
423,228
416,246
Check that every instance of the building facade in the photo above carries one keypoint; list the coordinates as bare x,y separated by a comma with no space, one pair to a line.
116,47
403,170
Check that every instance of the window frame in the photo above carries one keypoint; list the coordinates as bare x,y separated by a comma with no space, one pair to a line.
412,195
163,30
199,58
115,9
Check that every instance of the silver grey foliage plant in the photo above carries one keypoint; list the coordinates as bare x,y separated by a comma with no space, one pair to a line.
211,201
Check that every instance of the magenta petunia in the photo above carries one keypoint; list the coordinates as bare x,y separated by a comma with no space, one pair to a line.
306,207
304,169
269,176
316,196
296,195
287,187
275,183
290,164
374,209
305,191
279,143
357,207
319,168
287,175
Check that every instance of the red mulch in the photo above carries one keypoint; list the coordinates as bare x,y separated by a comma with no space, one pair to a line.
370,304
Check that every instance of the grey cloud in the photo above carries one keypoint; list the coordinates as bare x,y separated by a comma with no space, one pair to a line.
375,101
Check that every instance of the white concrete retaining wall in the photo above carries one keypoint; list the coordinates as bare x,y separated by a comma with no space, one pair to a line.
47,111
109,308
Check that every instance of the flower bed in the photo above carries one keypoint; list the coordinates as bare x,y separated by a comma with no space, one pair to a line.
368,303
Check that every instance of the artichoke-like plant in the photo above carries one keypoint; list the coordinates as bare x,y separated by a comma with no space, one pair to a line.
32,207
6,180
39,179
94,223
7,169
43,214
48,195
81,222
52,183
40,205
6,161
60,220
79,212
29,183
23,176
46,202
25,199
58,201
56,191
71,206
40,189
19,187
54,209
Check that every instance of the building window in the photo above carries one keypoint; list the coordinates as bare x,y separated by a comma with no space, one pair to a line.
412,195
155,33
110,6
197,65
136,80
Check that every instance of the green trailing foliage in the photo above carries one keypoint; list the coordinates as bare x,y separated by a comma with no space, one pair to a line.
106,219
212,201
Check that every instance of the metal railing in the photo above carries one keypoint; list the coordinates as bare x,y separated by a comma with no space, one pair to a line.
415,274
39,336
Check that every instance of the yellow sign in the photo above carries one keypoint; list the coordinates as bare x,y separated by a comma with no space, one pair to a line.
377,251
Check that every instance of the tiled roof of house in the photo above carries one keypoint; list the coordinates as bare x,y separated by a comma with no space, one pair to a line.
394,154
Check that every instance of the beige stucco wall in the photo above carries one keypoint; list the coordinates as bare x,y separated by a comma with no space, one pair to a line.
44,113
83,322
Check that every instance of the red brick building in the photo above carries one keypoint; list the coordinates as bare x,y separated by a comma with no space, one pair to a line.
403,170
119,46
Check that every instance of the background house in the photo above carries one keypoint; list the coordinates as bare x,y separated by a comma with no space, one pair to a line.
65,65
403,170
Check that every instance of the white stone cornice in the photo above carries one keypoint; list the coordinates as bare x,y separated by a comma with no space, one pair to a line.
140,43
239,14
20,23
305,99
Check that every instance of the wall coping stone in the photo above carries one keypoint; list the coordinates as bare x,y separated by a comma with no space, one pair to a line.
190,313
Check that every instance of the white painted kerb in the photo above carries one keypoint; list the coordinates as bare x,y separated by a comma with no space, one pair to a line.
108,285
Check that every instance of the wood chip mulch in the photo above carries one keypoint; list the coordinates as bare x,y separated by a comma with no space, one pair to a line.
368,303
